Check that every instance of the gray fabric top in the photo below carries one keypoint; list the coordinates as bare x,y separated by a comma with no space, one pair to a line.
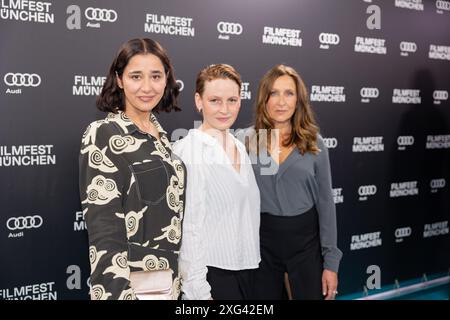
295,186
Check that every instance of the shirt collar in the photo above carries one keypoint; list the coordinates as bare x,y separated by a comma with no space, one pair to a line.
128,126
156,123
207,138
203,137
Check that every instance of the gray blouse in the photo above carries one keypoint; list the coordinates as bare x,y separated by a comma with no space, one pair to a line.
295,186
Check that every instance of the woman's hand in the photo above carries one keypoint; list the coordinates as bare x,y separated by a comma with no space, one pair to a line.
329,284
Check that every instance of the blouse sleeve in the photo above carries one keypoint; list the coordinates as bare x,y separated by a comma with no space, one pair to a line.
193,251
101,183
326,210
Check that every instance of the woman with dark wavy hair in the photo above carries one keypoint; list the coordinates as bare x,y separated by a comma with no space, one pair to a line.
131,184
298,218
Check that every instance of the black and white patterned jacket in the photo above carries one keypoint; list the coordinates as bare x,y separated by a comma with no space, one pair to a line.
132,196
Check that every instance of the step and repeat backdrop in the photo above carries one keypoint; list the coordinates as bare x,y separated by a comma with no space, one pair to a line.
378,73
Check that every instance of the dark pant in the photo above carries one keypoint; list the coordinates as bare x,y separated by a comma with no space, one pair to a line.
292,245
230,285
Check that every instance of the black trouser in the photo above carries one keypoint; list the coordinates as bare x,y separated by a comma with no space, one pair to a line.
230,285
292,245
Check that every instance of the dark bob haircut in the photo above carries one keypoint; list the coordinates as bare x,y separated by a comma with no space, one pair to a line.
112,98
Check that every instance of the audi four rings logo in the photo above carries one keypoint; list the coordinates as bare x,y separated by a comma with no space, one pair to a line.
369,190
329,38
22,79
229,28
331,143
443,5
369,92
405,140
408,46
437,183
98,14
440,95
403,232
20,223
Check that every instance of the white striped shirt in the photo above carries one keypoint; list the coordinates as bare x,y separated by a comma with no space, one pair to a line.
222,212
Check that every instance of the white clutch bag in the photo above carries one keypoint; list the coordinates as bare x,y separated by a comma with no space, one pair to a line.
152,285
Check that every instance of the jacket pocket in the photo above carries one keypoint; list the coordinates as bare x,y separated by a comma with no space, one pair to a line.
152,180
